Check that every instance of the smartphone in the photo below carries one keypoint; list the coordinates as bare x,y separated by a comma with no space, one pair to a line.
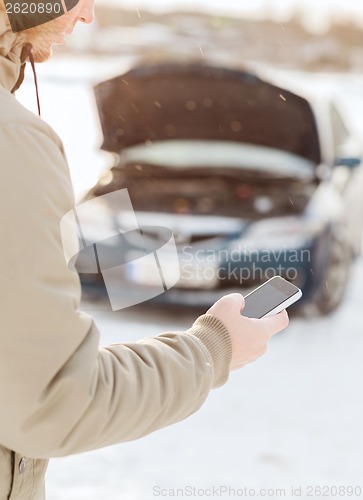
271,298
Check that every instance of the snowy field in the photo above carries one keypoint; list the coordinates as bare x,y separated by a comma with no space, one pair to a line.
291,420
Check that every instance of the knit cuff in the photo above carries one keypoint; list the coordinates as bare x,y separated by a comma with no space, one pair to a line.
215,337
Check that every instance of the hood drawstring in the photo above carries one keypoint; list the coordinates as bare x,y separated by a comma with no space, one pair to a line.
32,62
27,54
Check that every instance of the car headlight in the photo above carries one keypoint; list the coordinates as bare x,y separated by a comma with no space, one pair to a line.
279,233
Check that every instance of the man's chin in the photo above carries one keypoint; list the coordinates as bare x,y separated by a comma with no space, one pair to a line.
41,41
42,55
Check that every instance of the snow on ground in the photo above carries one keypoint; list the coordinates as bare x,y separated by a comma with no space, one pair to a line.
294,418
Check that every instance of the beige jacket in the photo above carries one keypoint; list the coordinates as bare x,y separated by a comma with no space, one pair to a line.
60,393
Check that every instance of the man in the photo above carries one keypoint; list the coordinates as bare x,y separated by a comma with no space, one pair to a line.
59,392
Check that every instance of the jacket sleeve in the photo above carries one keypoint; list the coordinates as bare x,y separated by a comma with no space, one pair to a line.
60,393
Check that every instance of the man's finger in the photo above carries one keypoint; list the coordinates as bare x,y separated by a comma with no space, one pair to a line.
233,300
276,323
239,300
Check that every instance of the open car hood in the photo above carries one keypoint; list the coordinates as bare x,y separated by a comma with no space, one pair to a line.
194,101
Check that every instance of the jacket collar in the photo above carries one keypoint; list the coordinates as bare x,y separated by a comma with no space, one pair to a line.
12,56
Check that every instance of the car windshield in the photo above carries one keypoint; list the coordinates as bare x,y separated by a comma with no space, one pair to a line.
185,154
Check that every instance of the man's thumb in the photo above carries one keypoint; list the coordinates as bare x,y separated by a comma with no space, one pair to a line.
231,302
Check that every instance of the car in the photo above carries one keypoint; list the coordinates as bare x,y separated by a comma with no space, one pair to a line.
251,178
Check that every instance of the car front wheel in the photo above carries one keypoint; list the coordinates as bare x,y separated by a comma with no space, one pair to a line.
336,276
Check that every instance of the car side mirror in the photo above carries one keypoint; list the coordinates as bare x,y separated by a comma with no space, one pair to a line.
350,162
349,154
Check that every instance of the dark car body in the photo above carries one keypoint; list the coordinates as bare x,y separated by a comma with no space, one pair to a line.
253,180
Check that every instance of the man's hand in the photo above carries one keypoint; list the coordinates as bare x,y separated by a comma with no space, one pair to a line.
249,336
